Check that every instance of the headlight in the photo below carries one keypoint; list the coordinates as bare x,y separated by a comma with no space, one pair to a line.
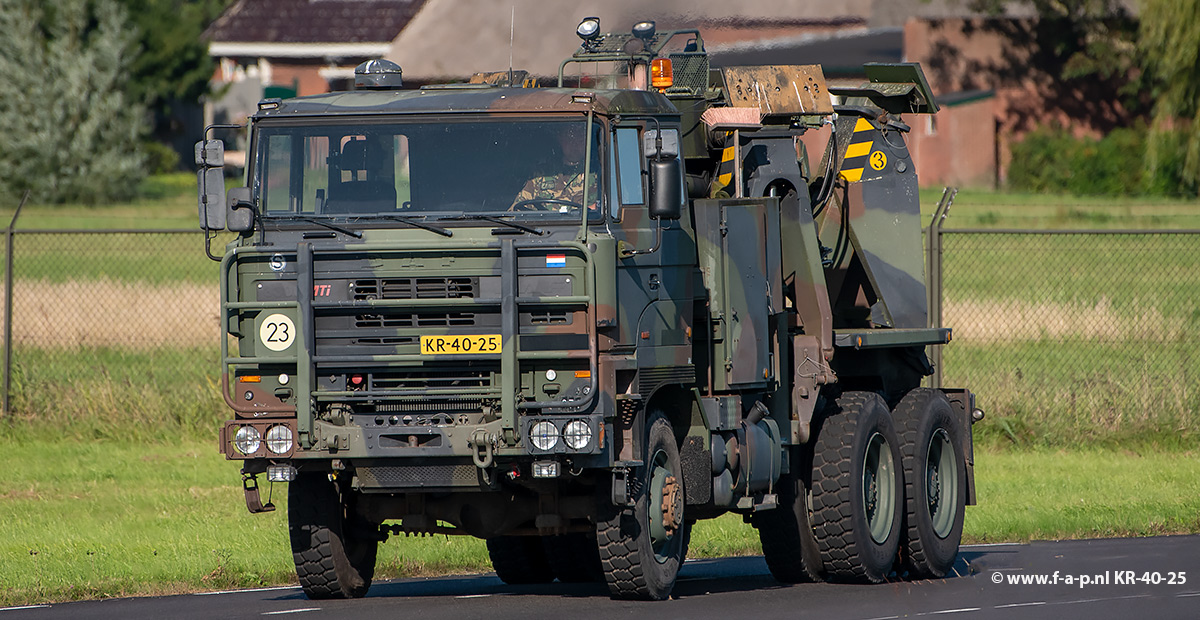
577,434
279,439
247,440
544,435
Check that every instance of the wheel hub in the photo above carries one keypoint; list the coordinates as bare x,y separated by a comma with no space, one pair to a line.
934,489
872,493
670,512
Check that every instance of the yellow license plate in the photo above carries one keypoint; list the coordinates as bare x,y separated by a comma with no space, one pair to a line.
454,345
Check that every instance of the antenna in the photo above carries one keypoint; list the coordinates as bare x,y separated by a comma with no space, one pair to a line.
511,31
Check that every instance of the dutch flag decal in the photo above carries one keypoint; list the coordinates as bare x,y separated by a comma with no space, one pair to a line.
556,260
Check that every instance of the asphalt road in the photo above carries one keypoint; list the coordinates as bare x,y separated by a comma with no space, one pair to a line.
1148,578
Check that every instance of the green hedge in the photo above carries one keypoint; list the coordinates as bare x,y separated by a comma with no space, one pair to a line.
1051,160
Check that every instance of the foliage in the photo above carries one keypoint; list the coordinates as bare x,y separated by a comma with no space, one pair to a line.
172,67
1084,44
1052,160
1170,46
69,128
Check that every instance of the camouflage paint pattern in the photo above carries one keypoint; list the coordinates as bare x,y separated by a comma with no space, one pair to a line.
731,308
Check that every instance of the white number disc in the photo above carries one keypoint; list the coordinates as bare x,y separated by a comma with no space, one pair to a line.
277,332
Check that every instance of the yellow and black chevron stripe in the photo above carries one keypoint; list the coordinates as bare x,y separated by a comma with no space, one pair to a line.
858,151
722,185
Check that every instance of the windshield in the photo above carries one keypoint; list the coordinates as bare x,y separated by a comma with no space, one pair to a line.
429,170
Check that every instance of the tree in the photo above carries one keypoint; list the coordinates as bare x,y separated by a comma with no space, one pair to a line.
69,130
1169,39
172,68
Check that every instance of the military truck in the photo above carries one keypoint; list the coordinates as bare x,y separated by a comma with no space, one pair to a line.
431,330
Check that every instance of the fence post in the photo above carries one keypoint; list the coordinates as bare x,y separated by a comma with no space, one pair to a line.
933,257
8,300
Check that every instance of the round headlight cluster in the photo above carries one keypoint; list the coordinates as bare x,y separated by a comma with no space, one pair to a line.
279,439
544,435
577,434
247,440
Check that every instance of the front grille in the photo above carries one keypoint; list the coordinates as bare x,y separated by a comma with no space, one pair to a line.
414,288
548,317
418,476
477,378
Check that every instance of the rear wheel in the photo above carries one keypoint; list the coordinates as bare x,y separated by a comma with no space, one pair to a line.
786,533
858,490
519,559
936,489
333,548
643,546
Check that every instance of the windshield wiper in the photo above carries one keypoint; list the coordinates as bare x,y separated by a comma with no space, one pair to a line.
321,222
414,222
496,220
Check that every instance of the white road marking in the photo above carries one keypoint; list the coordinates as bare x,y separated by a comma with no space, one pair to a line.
884,618
987,545
272,589
474,596
953,611
1187,594
1099,600
1031,604
290,611
23,607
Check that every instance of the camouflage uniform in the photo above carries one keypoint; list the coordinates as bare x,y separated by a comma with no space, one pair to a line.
565,186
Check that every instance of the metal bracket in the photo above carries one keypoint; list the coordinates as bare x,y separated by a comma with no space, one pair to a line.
620,487
253,500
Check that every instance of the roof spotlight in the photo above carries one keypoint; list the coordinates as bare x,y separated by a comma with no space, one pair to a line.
589,28
644,30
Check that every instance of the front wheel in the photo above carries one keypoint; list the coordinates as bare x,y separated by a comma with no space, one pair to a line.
858,490
519,559
333,548
643,546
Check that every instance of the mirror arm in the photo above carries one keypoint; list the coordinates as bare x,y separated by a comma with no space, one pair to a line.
627,252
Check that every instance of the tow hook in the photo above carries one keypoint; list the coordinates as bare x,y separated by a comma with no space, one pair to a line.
482,449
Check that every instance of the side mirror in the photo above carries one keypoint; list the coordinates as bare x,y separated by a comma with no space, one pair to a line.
210,183
240,217
666,188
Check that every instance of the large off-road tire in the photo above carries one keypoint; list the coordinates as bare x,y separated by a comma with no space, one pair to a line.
334,549
936,482
786,533
643,546
519,559
858,490
574,557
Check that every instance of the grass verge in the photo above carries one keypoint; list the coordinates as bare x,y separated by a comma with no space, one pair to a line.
119,518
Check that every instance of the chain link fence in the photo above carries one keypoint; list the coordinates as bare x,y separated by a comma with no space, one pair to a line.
1061,334
111,329
1075,335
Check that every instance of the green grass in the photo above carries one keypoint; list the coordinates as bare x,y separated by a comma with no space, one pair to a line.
164,201
157,395
118,518
153,258
103,519
169,201
1076,393
1083,493
992,209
